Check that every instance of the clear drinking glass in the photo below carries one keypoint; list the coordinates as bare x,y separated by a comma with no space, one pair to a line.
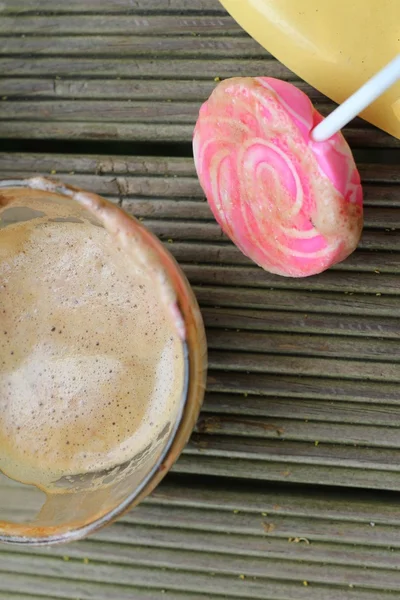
28,515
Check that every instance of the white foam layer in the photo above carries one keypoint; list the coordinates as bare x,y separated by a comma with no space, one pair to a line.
91,368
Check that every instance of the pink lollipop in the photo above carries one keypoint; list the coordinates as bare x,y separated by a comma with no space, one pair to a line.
293,205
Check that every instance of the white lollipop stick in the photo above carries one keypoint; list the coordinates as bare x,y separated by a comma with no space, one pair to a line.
362,98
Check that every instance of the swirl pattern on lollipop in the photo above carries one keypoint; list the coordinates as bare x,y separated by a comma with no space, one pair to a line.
292,205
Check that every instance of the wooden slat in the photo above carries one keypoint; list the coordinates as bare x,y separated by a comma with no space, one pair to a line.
337,325
128,89
304,454
305,366
308,302
115,25
155,582
222,540
242,518
119,187
227,254
374,217
6,596
153,166
262,468
93,111
334,281
96,131
103,6
151,132
310,504
288,429
124,46
257,572
304,344
178,89
300,386
291,462
87,588
304,409
162,68
383,195
121,111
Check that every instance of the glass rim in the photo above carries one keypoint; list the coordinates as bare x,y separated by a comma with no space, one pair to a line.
62,189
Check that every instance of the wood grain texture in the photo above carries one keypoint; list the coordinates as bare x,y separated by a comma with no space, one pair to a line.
213,537
300,386
136,68
157,40
310,366
121,111
304,344
334,281
115,25
40,128
304,409
311,503
139,132
308,302
126,565
154,166
337,325
140,46
62,588
128,89
226,253
6,596
289,429
103,6
159,582
263,467
303,387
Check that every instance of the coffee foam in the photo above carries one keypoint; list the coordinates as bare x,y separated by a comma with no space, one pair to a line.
91,367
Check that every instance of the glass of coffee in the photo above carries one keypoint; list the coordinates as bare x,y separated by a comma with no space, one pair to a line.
102,361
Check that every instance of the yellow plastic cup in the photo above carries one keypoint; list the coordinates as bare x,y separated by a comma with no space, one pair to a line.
334,45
